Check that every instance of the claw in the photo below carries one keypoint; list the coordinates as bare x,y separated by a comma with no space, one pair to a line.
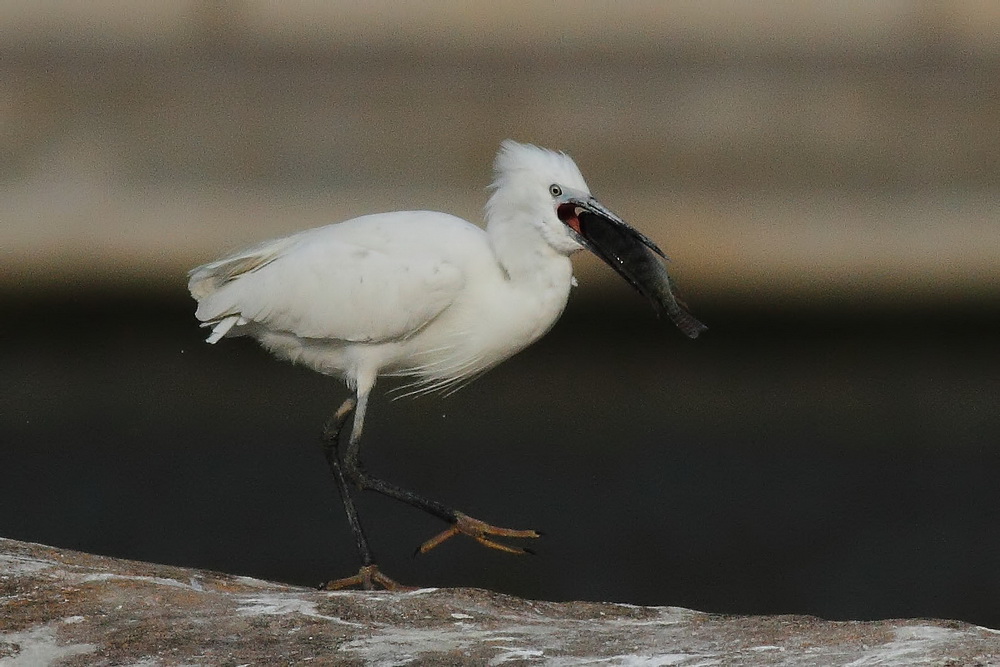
369,578
478,530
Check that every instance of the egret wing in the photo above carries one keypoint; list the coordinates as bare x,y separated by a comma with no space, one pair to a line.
369,282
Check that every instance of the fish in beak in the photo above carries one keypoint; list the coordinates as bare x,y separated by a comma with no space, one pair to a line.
631,254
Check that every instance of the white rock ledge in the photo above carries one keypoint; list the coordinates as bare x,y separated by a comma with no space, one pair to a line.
70,608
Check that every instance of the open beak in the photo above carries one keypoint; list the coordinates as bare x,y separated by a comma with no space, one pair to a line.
630,253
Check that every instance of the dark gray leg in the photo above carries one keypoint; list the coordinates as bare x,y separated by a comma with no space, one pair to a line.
369,575
460,523
331,439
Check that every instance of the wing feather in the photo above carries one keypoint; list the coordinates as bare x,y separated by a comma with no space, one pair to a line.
371,279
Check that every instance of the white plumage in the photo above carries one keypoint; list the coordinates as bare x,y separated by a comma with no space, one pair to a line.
408,293
429,296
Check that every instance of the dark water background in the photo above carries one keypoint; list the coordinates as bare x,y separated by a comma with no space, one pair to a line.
838,461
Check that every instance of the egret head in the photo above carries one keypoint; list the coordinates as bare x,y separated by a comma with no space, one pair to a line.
530,183
546,189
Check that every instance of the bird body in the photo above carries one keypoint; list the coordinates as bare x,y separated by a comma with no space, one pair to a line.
415,293
428,296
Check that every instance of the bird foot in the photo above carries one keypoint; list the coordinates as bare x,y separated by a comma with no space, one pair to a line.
369,578
478,530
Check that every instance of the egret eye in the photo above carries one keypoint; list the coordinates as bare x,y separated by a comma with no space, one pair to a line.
555,190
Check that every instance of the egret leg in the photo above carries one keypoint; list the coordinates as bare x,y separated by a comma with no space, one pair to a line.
461,524
369,576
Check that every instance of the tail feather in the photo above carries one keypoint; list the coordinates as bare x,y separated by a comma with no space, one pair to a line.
207,283
221,327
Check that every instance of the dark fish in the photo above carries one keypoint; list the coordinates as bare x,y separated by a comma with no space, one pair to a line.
634,257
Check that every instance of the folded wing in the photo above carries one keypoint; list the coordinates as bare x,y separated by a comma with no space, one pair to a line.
360,281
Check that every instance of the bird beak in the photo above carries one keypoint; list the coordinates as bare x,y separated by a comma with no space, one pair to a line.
635,257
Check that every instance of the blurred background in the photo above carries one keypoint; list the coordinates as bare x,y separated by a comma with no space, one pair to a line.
824,177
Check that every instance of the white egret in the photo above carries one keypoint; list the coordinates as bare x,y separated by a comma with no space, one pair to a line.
428,296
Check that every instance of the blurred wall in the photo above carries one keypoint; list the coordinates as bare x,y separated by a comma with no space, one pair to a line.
809,150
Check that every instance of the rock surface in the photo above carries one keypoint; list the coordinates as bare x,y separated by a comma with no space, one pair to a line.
69,608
